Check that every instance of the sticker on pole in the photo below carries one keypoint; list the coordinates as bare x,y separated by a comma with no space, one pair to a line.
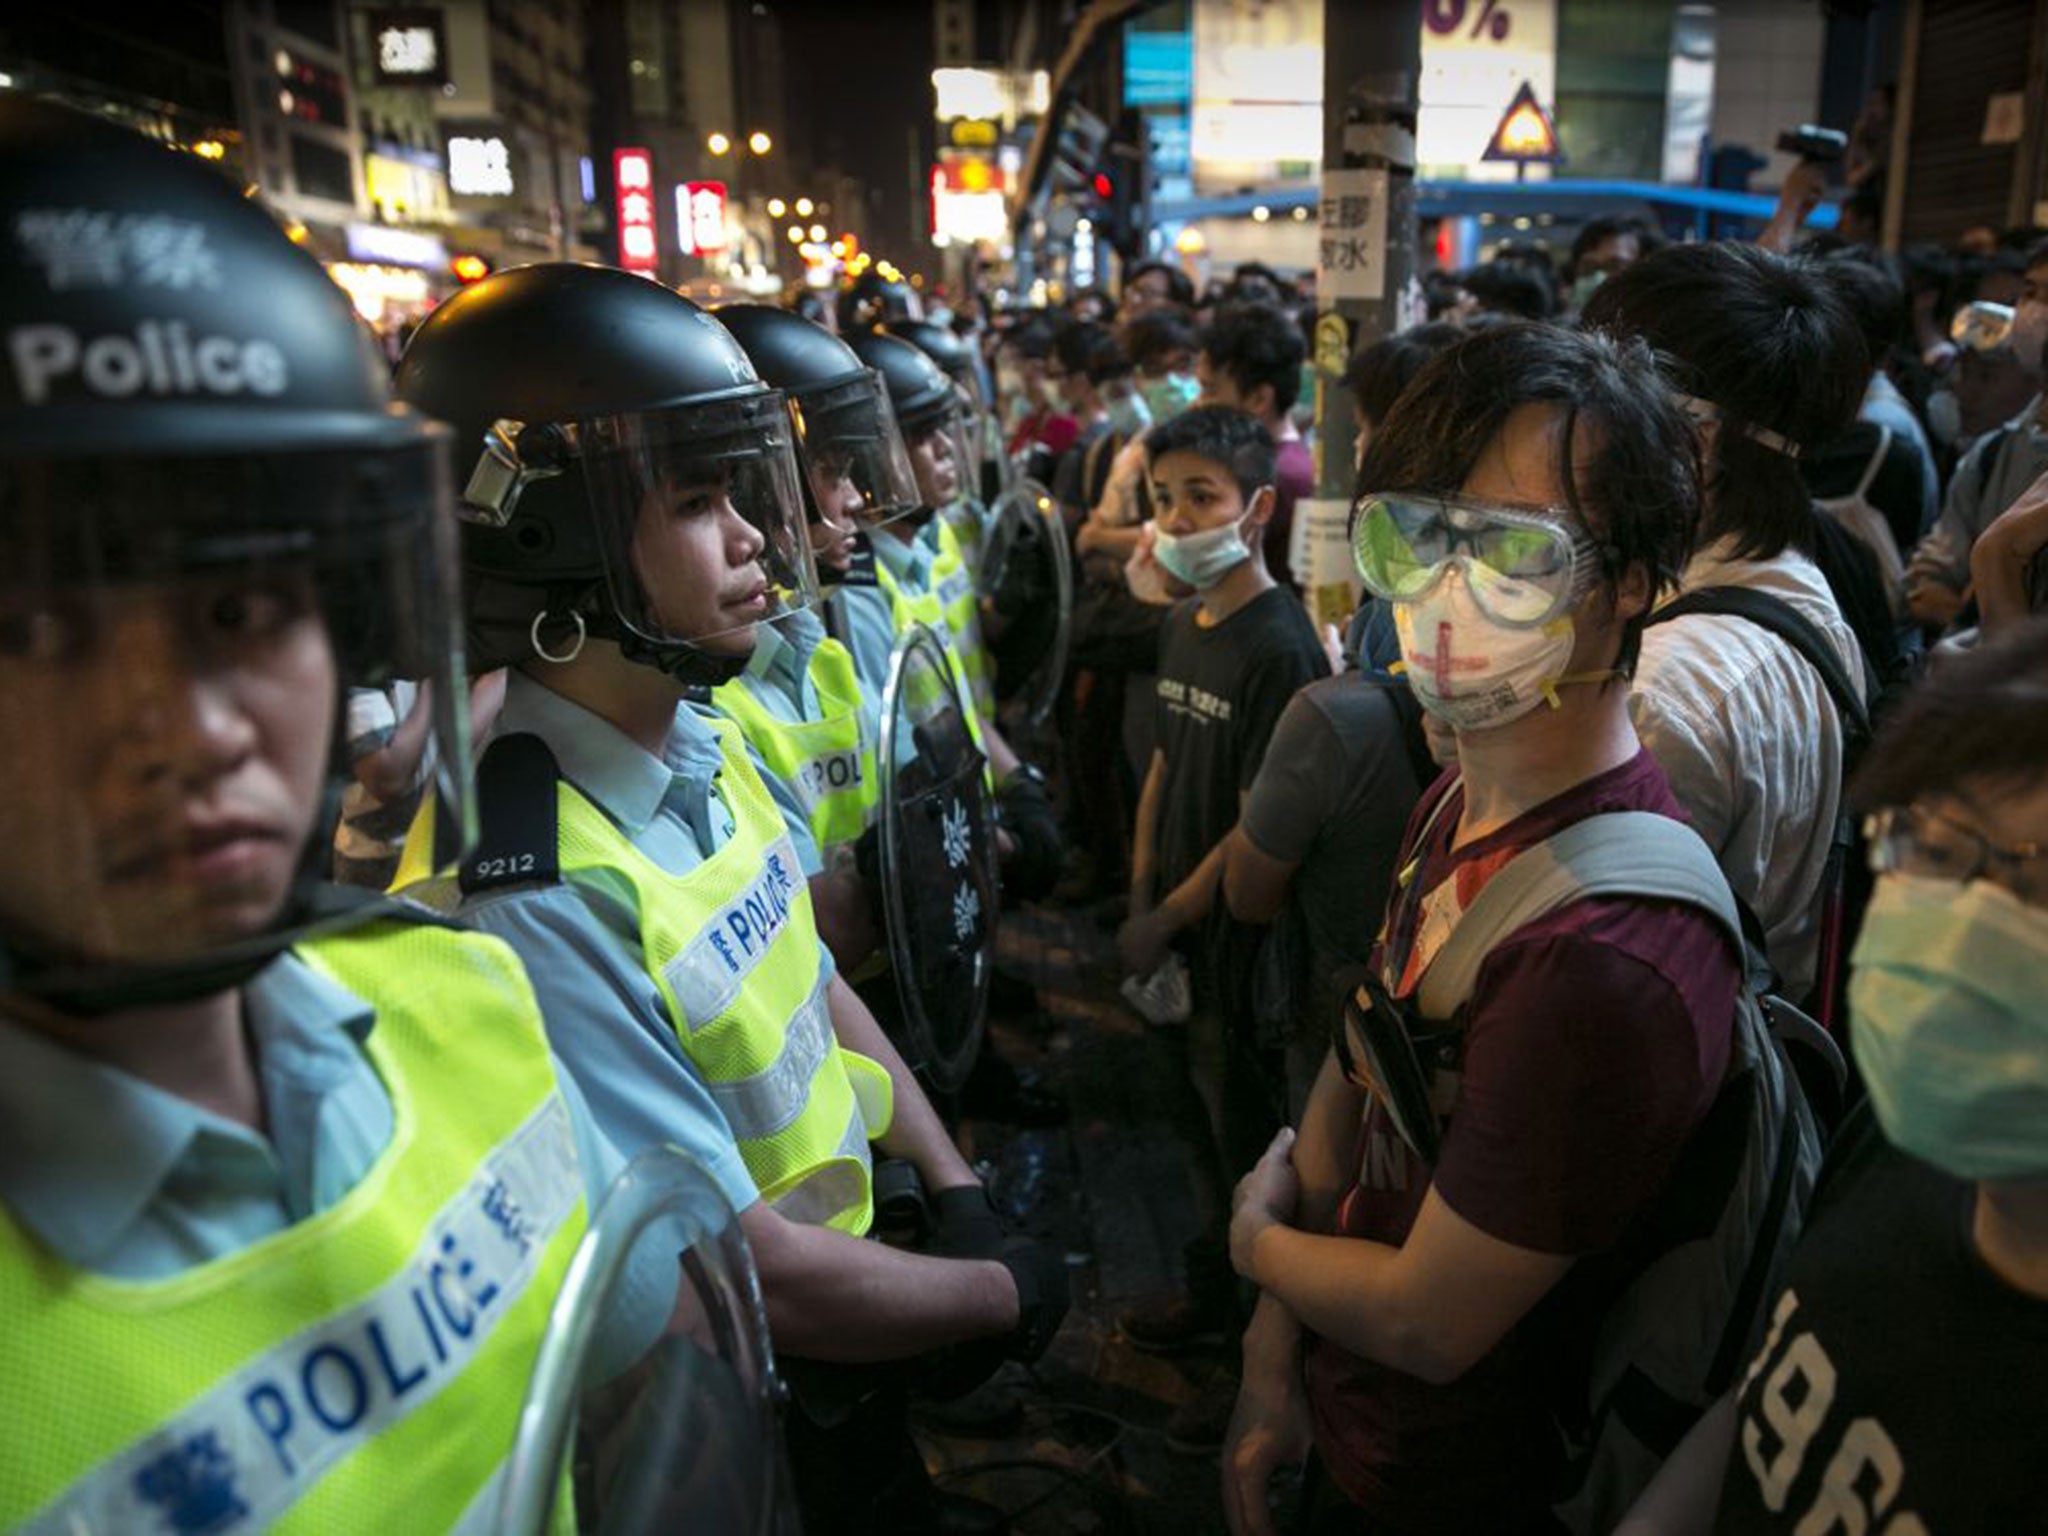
1351,259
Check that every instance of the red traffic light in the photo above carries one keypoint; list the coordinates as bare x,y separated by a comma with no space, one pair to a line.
1104,187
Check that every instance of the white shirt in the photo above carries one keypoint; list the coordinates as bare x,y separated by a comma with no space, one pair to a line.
1752,743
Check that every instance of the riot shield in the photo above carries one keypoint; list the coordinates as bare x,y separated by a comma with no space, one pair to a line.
652,1405
1026,584
938,859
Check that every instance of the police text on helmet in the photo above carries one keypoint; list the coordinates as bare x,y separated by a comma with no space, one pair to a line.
160,357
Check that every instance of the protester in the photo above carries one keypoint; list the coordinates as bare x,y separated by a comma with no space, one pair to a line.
1993,473
1902,1356
1251,361
1152,285
1530,496
1380,371
1765,357
1229,658
1603,247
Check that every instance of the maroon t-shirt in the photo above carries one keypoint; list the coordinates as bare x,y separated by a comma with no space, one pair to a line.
1595,1040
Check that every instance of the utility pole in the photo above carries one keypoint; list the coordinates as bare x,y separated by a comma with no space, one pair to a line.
1366,286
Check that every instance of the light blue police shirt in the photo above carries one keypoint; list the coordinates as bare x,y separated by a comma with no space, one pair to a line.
866,628
580,939
909,560
120,1178
778,674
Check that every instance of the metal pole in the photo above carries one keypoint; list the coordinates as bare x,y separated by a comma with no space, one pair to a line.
1366,286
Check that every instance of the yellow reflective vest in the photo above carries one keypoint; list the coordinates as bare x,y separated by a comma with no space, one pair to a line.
826,758
362,1370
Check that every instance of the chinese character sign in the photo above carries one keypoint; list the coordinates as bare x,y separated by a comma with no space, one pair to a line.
633,172
1351,259
479,167
700,217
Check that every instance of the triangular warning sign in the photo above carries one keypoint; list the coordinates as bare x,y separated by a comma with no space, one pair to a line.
1526,134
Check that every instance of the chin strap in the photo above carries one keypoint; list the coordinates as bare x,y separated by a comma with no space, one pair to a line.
91,990
1604,675
689,665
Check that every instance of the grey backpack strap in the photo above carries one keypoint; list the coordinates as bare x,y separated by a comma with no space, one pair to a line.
1617,853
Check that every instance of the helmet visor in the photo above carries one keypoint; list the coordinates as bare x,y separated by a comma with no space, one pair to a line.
852,448
699,518
177,640
938,455
1524,567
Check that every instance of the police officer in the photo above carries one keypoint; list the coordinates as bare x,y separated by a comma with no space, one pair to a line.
287,1186
634,517
925,579
809,701
985,468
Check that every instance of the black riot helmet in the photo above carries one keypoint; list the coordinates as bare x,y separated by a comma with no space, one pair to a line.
592,409
213,521
927,405
871,300
846,431
953,354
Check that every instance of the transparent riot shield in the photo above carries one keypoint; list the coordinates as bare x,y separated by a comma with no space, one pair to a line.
1026,582
938,859
653,1400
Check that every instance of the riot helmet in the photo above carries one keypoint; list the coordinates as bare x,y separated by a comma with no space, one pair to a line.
622,471
853,455
213,521
871,300
927,409
955,355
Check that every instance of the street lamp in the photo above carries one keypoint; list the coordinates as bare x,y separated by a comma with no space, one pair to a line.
817,231
759,142
777,207
796,234
803,207
718,143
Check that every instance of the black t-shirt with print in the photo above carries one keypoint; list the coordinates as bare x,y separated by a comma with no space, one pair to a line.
1219,693
1900,1386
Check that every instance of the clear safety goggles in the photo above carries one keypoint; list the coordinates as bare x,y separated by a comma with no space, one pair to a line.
1524,568
848,433
655,477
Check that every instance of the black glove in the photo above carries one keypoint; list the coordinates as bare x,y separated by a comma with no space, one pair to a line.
1043,1293
965,1224
1026,814
867,863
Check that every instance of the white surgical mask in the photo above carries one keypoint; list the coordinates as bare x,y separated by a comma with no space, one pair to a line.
1205,558
1473,672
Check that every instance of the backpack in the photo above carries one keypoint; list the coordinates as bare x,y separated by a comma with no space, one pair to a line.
1845,881
1694,1273
1856,514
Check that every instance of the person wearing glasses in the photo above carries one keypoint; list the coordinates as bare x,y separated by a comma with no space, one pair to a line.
1897,1387
1420,1311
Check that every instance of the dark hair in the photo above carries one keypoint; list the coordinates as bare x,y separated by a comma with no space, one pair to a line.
1180,288
1512,287
1258,344
1089,348
1031,337
1154,334
1636,486
1870,284
2037,254
1253,282
1765,340
1595,232
1379,371
1979,714
1222,434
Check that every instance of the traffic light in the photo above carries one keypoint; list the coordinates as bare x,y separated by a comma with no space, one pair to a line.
1121,185
469,267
